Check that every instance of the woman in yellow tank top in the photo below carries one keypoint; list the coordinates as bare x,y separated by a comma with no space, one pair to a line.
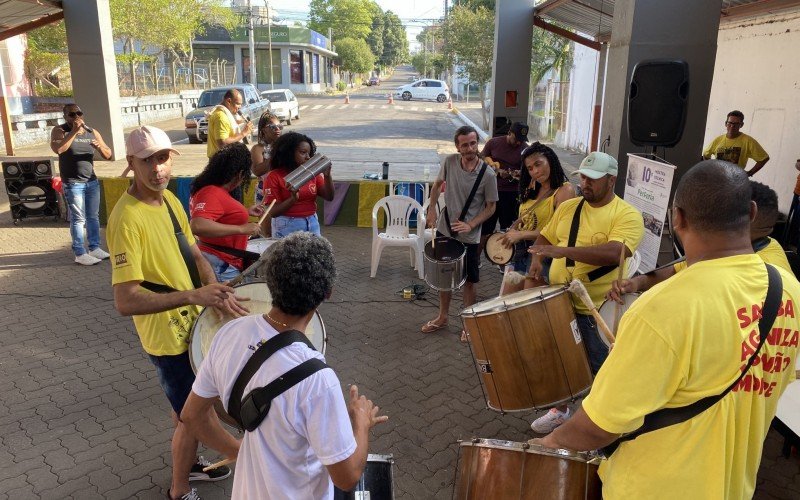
543,186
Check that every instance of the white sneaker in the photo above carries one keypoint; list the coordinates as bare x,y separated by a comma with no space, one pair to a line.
548,422
99,253
86,260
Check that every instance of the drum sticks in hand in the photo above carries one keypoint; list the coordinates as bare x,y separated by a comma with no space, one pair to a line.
576,287
266,212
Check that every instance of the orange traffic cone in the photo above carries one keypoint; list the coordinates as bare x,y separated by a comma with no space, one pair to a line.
450,103
347,98
391,99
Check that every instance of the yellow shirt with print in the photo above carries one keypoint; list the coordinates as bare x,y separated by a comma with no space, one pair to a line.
773,254
615,221
536,214
737,150
685,339
219,128
143,247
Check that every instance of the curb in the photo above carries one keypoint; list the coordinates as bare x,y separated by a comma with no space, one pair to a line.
461,116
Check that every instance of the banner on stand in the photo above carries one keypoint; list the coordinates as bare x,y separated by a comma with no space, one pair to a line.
647,187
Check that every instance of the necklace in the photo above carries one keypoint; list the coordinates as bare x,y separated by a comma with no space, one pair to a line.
276,321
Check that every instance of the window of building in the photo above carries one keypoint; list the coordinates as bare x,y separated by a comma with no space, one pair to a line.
262,65
296,65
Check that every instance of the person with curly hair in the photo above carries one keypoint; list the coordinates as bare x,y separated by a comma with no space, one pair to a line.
294,210
220,222
543,186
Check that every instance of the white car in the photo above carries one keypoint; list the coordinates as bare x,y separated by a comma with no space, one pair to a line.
283,103
424,89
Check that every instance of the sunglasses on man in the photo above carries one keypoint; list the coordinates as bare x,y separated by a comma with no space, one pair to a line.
73,114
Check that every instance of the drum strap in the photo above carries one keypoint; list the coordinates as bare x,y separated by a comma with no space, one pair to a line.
469,199
186,253
251,410
671,416
573,237
247,256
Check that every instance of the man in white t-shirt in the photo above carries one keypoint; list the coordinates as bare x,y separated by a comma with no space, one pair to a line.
307,442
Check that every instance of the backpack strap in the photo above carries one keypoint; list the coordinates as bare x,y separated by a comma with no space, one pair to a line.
573,238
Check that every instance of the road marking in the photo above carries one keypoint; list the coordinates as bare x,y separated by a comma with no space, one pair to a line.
414,108
303,107
371,106
428,110
384,106
356,105
316,106
331,106
344,106
182,141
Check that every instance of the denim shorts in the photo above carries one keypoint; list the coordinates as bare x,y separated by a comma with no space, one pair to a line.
284,225
176,377
595,348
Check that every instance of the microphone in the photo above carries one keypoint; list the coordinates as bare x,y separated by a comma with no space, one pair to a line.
87,128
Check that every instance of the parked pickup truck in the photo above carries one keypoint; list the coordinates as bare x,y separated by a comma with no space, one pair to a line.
197,119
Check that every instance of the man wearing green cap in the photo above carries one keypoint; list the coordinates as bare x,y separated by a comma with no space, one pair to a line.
606,223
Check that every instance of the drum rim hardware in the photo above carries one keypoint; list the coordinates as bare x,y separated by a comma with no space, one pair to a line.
504,306
591,457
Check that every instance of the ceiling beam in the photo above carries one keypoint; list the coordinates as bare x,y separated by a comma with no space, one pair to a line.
757,7
23,28
552,28
49,3
548,6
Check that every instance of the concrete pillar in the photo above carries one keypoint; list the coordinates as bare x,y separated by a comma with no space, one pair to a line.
94,68
511,71
643,29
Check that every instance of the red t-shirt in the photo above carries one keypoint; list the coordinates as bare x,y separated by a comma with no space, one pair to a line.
275,189
216,204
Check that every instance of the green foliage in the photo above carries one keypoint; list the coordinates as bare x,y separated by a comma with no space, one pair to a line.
469,43
474,4
550,51
340,85
43,90
46,55
346,18
395,41
355,56
375,38
427,63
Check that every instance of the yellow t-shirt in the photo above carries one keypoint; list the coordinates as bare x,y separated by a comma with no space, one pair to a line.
535,215
771,254
218,128
143,247
683,340
615,221
736,150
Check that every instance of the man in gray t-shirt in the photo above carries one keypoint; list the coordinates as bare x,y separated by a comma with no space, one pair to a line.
461,171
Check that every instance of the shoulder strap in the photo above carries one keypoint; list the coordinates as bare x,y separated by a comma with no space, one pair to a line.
573,237
671,416
469,198
186,252
266,350
246,256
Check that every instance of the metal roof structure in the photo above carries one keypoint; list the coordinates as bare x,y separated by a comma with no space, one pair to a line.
591,20
19,16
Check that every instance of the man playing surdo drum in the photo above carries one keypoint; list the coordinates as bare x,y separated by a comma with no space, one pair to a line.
146,256
461,172
607,223
688,338
307,438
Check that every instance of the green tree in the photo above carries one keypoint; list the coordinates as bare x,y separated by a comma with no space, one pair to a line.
469,43
395,41
375,38
46,56
355,56
550,51
346,18
475,4
428,64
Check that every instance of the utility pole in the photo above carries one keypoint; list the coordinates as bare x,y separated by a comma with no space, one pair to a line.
269,34
251,44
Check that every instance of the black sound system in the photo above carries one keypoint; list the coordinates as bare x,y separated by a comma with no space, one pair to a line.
30,189
657,98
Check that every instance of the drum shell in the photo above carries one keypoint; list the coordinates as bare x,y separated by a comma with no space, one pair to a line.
608,311
376,483
445,264
503,469
529,354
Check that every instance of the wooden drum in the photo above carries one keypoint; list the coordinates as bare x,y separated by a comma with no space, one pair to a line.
528,350
490,468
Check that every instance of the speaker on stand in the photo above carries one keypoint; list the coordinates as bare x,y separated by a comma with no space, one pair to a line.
657,98
29,186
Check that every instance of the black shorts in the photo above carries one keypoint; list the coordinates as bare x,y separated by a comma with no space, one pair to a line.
473,258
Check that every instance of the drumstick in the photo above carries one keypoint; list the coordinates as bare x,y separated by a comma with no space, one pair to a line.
576,287
219,464
433,237
266,212
238,279
617,305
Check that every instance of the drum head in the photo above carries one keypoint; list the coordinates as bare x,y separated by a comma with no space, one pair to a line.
608,310
514,300
445,249
536,449
496,251
208,323
259,245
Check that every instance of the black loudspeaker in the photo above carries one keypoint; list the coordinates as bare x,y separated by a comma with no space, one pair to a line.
659,91
30,189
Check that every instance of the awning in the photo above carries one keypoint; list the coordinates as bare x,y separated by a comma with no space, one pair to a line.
19,16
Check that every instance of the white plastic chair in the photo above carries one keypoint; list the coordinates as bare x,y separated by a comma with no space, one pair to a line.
398,233
633,262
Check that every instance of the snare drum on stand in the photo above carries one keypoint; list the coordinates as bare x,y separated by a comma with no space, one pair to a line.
491,468
528,350
376,483
208,324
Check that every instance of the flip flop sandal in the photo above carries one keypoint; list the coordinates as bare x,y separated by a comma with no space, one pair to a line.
431,327
464,336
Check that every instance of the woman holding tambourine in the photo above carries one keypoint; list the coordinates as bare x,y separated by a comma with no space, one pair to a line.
294,210
543,186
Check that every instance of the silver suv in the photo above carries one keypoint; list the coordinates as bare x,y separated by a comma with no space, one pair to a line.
196,123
